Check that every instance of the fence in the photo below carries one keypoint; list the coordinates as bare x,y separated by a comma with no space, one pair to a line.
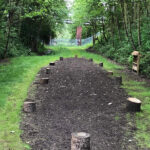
71,42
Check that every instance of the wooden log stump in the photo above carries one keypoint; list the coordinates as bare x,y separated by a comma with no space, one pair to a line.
76,56
36,82
80,141
29,107
44,81
91,60
119,80
110,73
101,64
133,104
47,70
52,64
61,59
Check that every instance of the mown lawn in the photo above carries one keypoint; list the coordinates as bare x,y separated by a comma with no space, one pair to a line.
17,75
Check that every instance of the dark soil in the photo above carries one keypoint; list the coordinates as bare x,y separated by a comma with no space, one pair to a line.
80,97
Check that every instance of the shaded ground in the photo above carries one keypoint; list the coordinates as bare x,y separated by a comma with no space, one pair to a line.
79,97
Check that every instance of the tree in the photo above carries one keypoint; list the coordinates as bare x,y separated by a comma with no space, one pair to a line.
29,24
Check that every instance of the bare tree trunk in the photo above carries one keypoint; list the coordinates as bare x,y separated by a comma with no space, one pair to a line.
125,17
139,25
9,26
119,32
10,21
103,26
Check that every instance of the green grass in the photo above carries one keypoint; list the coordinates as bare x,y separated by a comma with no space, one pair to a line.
17,76
142,120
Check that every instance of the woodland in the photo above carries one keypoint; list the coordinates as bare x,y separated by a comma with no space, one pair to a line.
26,25
124,27
27,28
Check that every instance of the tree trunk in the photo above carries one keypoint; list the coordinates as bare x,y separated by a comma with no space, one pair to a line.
103,26
139,25
125,18
80,141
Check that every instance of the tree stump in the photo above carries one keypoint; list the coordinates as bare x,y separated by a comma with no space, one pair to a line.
61,59
133,104
44,81
52,64
29,107
119,80
47,70
110,73
80,141
76,56
91,60
101,64
36,82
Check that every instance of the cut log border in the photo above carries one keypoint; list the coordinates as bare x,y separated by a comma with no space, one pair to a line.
47,70
29,107
76,56
61,58
133,104
80,141
91,60
44,80
110,73
119,80
101,64
52,64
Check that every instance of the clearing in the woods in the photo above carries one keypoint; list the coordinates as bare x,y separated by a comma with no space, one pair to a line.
80,96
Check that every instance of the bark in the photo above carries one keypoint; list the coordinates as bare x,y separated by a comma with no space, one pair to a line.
9,26
119,32
34,45
44,81
29,107
139,25
133,104
80,141
125,18
103,27
47,70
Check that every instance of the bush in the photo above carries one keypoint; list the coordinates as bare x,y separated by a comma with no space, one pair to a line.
145,64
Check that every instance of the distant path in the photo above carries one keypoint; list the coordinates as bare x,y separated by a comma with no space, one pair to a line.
79,97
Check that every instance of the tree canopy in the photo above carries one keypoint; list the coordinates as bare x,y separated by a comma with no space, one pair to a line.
26,25
123,26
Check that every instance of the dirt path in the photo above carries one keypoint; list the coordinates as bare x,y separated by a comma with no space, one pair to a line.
79,97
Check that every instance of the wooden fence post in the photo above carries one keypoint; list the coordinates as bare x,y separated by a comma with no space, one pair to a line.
80,141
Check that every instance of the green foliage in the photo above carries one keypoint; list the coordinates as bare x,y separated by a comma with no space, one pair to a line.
144,66
123,26
27,25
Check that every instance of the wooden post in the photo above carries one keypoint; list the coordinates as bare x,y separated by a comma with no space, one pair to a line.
47,70
61,58
91,60
76,56
133,104
29,107
52,64
136,61
110,73
35,82
119,80
80,141
101,64
44,81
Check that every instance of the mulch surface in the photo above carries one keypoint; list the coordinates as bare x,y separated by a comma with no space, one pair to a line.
80,97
